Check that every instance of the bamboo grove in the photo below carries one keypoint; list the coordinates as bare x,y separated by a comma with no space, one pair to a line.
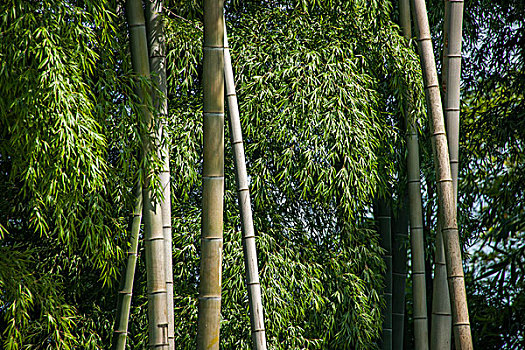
261,175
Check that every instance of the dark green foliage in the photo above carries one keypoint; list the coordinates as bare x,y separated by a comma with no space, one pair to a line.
318,91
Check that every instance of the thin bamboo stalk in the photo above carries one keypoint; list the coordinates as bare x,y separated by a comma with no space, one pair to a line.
384,223
243,195
446,202
157,61
399,275
154,238
212,178
125,294
441,331
419,290
419,293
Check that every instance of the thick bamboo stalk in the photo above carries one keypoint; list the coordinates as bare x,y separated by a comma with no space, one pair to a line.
243,195
452,60
451,84
126,290
383,218
446,202
157,61
153,235
404,18
212,178
399,275
419,293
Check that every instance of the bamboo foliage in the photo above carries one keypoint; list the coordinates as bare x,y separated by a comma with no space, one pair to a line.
157,61
212,177
126,291
446,202
153,235
415,213
243,195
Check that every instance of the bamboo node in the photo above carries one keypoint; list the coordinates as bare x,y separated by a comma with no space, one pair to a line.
425,38
214,48
213,114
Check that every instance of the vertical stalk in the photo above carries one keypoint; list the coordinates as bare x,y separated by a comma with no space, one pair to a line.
125,293
383,218
451,84
212,178
243,195
157,62
153,235
419,293
399,274
446,202
452,60
441,331
419,290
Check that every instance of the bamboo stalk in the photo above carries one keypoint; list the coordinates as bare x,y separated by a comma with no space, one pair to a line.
383,218
417,241
419,292
451,87
441,331
154,238
446,202
212,178
399,275
243,195
157,61
126,291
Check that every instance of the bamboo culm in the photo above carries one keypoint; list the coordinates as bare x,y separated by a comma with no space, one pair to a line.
441,332
451,87
157,62
446,202
153,233
399,274
419,292
126,290
243,195
212,178
383,219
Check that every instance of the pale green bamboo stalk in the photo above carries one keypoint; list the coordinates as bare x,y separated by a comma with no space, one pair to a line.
384,223
446,202
399,274
419,291
157,61
404,18
452,60
451,84
212,178
243,195
125,294
153,235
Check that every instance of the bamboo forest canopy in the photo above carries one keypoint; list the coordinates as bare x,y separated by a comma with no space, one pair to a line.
323,89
